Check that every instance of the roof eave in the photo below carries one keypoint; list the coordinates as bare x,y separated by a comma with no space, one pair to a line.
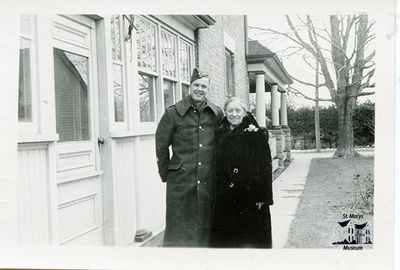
288,78
206,19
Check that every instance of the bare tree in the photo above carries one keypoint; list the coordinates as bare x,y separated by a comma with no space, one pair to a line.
346,63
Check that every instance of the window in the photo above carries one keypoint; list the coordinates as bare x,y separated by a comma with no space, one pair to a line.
164,65
185,66
25,85
168,90
168,51
146,44
71,94
168,66
118,68
185,90
229,74
147,65
146,98
25,70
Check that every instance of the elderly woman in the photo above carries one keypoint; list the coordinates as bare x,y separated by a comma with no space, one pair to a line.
243,180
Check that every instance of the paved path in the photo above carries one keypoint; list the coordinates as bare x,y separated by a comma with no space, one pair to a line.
287,190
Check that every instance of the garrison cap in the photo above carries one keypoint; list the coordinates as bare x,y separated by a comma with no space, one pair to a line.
197,74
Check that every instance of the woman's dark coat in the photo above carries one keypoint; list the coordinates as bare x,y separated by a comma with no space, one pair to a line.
243,177
188,172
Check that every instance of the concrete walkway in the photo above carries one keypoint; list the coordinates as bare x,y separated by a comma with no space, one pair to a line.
287,189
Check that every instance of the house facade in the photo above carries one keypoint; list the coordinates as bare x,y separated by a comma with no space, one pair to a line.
91,92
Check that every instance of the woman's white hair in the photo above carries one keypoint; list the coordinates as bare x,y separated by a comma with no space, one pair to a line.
237,100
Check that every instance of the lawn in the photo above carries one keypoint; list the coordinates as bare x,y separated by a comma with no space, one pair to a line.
331,191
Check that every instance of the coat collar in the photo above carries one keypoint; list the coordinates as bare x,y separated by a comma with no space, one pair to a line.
183,105
248,119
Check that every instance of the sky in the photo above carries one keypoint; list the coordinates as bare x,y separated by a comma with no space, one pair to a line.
294,64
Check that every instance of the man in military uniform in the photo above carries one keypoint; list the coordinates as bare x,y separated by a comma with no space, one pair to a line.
188,126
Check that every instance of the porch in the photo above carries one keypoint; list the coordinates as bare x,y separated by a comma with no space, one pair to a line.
268,75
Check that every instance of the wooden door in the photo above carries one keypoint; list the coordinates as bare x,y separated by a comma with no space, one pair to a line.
78,166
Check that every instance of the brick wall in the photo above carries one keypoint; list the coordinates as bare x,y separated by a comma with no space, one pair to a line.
211,56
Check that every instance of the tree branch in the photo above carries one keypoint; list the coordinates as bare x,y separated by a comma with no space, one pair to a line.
306,83
362,94
321,60
276,32
299,38
298,92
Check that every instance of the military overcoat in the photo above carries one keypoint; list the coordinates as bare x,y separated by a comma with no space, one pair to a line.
188,173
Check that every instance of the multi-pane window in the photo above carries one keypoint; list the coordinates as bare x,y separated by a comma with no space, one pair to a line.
229,74
71,74
118,67
159,45
25,70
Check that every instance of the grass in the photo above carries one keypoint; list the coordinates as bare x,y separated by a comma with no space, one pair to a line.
330,192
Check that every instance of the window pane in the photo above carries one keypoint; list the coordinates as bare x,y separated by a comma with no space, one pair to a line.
168,90
146,98
184,61
118,37
112,27
115,37
118,94
168,47
24,89
146,44
185,90
71,93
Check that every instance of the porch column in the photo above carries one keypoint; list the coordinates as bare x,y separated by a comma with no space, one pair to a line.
276,128
274,106
260,99
284,109
285,126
